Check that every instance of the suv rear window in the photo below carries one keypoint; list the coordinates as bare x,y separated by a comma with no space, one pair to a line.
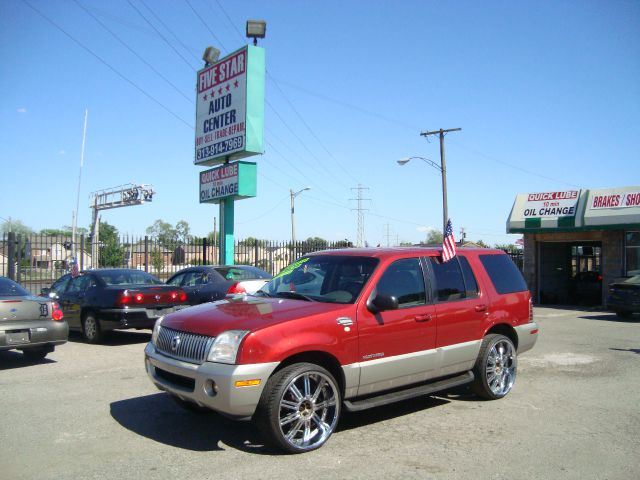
504,274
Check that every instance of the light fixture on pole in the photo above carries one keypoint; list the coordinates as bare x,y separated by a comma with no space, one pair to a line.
210,56
256,29
293,218
443,172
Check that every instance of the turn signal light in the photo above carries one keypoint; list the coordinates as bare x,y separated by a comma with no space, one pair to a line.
248,383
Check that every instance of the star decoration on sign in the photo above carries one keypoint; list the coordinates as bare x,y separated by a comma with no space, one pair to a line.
228,87
220,91
235,84
205,97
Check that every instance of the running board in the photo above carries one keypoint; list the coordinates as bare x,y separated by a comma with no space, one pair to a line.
399,395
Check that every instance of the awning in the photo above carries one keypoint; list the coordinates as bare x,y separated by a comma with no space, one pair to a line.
574,210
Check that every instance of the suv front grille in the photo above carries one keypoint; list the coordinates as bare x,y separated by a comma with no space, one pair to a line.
187,347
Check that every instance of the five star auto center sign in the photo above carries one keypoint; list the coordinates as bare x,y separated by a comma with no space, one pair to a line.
230,108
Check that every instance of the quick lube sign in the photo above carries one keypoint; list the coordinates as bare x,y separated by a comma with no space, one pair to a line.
551,204
233,180
230,108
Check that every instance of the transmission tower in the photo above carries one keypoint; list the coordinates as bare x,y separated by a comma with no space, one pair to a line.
360,210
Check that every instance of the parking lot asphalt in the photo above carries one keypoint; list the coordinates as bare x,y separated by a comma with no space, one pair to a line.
89,411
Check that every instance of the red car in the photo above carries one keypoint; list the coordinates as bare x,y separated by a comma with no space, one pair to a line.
349,329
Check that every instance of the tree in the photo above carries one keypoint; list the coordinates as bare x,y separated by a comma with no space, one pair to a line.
182,231
480,243
111,252
157,260
15,226
507,247
434,237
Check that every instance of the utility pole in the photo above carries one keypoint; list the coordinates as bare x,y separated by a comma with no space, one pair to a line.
360,210
443,168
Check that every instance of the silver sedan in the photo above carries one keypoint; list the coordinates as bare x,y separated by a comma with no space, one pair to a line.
29,323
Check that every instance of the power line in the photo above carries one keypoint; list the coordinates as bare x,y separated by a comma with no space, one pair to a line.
140,57
160,34
108,65
205,24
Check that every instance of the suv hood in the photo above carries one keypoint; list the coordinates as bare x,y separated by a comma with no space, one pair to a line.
245,312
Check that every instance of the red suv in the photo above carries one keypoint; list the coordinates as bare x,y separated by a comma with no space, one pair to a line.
348,329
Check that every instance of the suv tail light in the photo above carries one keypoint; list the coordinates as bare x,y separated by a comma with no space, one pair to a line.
236,288
56,313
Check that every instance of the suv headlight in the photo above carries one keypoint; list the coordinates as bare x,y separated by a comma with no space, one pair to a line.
225,346
156,331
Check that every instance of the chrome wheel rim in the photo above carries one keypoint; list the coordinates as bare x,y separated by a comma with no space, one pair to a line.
501,368
90,328
308,410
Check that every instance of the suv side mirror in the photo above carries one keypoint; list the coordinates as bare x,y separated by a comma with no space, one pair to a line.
381,303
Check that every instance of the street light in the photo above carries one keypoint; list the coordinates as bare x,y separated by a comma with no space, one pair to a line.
443,172
293,219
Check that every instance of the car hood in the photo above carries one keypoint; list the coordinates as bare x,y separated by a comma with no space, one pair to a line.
245,312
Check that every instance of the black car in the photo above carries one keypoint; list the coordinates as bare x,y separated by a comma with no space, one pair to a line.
624,297
209,283
96,301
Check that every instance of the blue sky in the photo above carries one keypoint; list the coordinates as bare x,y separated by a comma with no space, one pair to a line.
546,93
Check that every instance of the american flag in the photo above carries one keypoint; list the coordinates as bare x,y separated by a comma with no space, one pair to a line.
448,243
74,268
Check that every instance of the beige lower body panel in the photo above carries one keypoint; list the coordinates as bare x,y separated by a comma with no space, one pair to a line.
382,374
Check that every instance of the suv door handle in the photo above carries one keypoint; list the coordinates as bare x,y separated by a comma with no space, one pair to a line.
481,308
422,318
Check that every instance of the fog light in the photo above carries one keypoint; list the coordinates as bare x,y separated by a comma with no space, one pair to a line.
210,388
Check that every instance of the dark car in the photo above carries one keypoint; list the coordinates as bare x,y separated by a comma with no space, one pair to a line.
32,324
209,283
624,297
96,301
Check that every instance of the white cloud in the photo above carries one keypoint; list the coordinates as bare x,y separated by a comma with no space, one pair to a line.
22,110
425,229
61,152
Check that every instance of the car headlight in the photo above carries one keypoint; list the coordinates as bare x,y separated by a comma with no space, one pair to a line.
225,347
156,331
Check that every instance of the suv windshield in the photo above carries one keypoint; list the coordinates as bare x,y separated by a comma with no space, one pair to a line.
322,278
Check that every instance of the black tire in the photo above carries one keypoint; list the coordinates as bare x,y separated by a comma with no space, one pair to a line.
625,315
91,329
299,408
36,354
190,406
496,367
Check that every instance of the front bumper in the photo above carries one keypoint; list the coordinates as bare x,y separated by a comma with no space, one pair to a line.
36,333
527,336
210,385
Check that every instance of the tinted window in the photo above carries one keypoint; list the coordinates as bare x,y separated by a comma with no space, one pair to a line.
128,277
404,280
80,284
61,284
471,286
504,274
176,280
9,288
449,280
242,273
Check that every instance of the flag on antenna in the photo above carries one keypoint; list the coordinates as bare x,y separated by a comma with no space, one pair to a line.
448,243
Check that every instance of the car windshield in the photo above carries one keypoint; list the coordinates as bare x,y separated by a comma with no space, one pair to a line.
9,288
322,278
127,277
